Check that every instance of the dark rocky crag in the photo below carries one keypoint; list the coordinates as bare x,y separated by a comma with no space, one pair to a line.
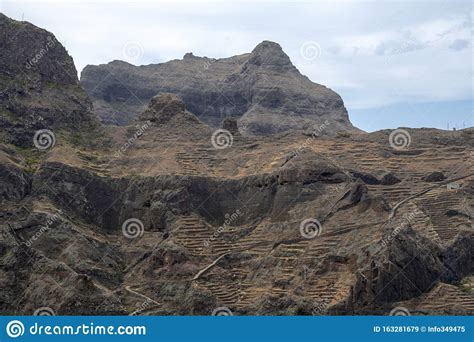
169,109
39,87
262,89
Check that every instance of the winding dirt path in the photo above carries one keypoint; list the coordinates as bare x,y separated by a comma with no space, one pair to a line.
128,289
422,192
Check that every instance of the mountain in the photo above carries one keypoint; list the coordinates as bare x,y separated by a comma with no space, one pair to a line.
168,216
39,88
262,89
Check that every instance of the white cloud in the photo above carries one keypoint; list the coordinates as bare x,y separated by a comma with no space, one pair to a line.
439,33
373,53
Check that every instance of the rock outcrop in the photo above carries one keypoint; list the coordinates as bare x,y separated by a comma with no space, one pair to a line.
434,177
262,89
39,87
166,106
231,125
15,182
385,278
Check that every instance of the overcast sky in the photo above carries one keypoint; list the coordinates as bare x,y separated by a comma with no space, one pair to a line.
398,63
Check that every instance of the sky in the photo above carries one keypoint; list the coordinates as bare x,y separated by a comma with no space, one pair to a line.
395,63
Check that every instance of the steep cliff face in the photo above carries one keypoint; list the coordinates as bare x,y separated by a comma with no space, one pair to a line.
39,87
262,89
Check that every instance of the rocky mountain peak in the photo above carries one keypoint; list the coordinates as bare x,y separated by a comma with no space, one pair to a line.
270,54
119,63
268,47
168,109
261,89
39,87
188,55
163,107
43,57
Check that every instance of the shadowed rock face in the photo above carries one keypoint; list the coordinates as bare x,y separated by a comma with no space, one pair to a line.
231,125
39,87
15,183
168,111
24,48
162,107
262,89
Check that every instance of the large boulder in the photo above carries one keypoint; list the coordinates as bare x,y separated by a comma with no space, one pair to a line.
436,176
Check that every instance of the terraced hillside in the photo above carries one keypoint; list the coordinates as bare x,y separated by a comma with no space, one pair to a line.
171,216
287,224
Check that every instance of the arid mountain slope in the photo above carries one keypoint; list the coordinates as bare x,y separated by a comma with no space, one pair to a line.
170,216
262,89
163,222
